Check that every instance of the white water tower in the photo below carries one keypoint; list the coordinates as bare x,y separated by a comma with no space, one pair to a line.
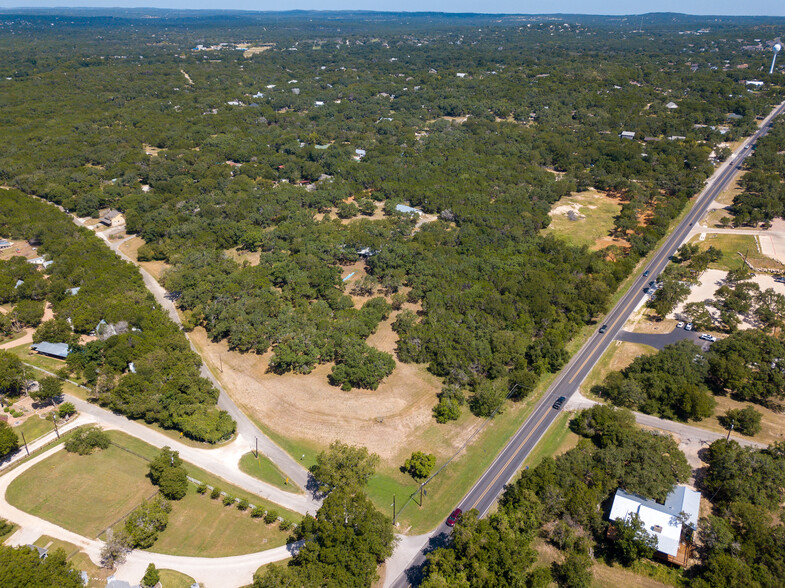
777,48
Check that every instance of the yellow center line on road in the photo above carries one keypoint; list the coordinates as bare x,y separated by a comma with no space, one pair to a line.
517,451
602,340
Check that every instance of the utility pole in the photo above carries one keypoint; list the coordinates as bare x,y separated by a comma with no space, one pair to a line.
727,439
25,442
393,505
221,360
421,493
54,420
257,447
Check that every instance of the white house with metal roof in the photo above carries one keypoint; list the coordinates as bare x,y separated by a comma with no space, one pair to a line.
664,522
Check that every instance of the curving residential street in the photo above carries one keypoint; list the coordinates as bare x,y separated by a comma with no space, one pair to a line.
212,572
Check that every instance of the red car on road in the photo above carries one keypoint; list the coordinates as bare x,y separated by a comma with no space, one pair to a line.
453,518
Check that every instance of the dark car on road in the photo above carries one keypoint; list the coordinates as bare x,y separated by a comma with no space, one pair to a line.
559,401
453,518
603,328
646,274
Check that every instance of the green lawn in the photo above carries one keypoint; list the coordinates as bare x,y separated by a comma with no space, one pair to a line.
34,427
173,579
261,467
148,451
731,246
556,441
200,526
85,494
24,353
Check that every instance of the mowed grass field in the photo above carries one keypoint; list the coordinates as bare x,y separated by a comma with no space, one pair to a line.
731,246
83,493
199,525
88,494
264,469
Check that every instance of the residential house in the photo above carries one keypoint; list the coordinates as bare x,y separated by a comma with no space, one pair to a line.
627,135
757,84
671,106
407,209
56,350
671,524
113,218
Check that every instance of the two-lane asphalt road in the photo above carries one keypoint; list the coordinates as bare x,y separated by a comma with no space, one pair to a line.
491,484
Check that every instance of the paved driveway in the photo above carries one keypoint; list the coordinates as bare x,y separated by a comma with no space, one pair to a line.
660,340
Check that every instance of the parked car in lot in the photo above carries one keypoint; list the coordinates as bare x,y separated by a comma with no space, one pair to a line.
559,401
688,327
453,518
646,290
780,279
680,325
707,337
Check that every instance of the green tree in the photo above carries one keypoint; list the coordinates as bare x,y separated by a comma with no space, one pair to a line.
632,541
55,330
167,472
344,545
22,566
746,421
11,374
574,572
344,466
419,465
489,395
85,440
151,576
66,409
9,441
49,388
146,521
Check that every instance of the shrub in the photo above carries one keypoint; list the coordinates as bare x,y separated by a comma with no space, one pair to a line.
215,493
151,576
66,409
285,525
242,504
228,500
270,516
173,483
257,512
201,488
448,409
745,420
419,465
85,440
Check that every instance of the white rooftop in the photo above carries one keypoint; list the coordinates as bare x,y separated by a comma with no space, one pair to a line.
660,520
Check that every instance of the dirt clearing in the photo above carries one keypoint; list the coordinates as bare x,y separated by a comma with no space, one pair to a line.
154,268
585,218
389,421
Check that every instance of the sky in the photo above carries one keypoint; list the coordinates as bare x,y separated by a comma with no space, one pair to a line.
714,7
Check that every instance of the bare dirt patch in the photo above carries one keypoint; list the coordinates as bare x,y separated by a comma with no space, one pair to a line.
728,194
150,150
154,268
772,422
18,248
585,218
255,50
389,421
252,257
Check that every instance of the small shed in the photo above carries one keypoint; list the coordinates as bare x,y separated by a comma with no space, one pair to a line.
671,106
4,244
